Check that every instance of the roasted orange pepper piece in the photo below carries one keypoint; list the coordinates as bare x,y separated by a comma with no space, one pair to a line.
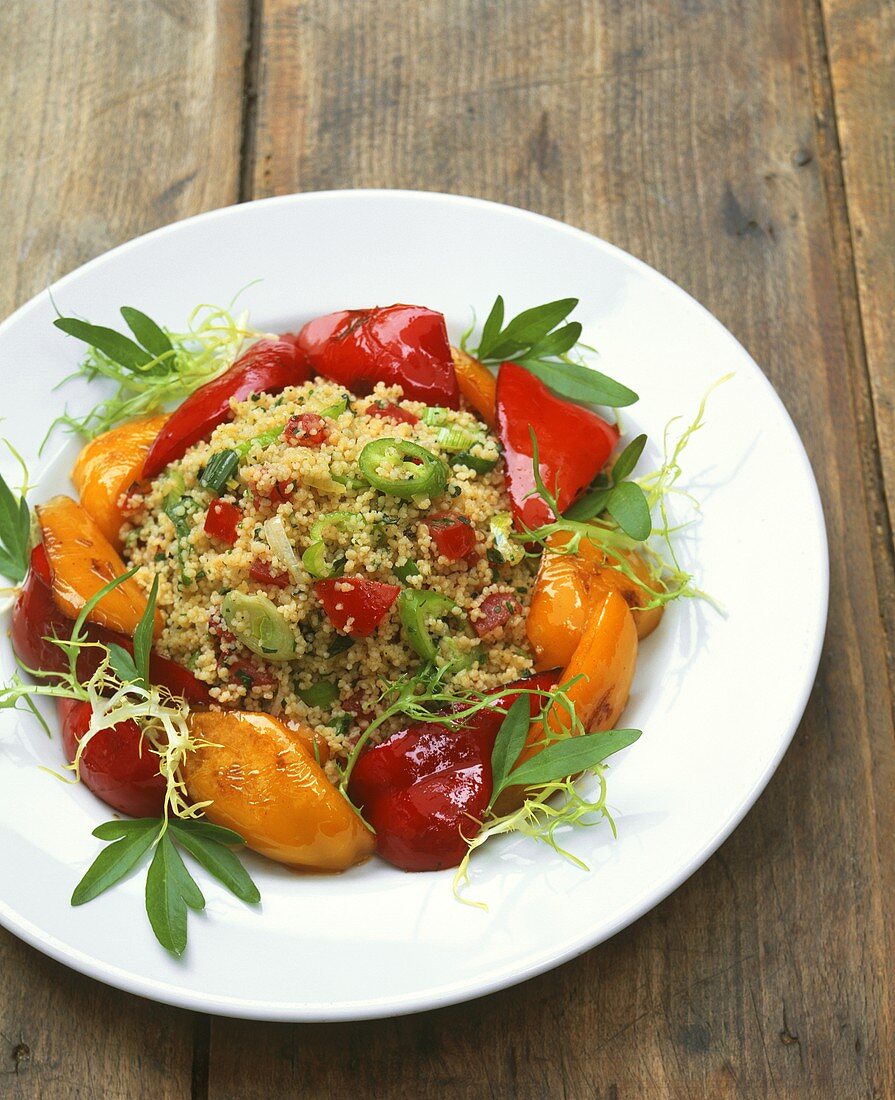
646,619
264,783
603,662
558,611
478,386
82,561
107,467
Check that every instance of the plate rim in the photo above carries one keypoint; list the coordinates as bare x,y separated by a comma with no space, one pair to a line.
466,989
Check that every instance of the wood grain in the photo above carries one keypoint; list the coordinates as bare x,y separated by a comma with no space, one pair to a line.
860,37
687,132
116,118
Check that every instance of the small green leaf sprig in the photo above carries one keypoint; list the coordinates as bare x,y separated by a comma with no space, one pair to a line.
171,891
154,368
16,539
538,340
120,690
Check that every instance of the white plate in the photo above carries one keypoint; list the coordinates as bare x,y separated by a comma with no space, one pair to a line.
718,697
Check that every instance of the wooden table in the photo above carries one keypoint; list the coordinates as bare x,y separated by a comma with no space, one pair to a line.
744,148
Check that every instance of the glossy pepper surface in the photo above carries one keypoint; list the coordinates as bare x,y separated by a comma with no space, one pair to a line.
573,444
117,764
268,366
264,781
36,617
425,790
400,345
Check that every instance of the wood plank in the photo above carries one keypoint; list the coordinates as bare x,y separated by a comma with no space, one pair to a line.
860,38
687,133
117,118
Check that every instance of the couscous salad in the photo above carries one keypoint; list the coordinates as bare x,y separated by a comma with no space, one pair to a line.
336,594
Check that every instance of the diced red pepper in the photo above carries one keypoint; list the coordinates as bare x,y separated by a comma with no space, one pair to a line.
222,521
424,789
36,617
453,534
497,609
573,444
267,367
306,430
399,344
386,410
117,764
357,704
263,572
355,605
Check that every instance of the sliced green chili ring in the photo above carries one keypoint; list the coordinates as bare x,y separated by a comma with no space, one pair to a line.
321,694
258,624
407,570
415,608
428,474
434,415
505,548
220,469
314,558
473,462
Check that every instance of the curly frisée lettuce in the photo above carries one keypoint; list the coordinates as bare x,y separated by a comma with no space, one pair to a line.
157,367
119,690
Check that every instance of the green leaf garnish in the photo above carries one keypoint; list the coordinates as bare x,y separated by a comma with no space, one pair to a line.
15,527
123,664
132,840
163,368
120,349
154,339
625,501
628,507
170,888
538,340
509,742
560,759
170,891
143,635
217,859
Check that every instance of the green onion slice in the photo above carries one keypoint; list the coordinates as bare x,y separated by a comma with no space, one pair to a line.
434,415
314,558
422,474
258,624
220,469
456,440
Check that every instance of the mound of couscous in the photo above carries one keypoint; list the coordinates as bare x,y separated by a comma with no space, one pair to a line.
296,459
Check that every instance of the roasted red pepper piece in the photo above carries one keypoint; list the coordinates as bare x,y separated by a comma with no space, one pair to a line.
573,444
453,534
36,617
425,789
262,572
355,605
222,521
386,410
268,366
306,430
117,765
497,609
399,344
